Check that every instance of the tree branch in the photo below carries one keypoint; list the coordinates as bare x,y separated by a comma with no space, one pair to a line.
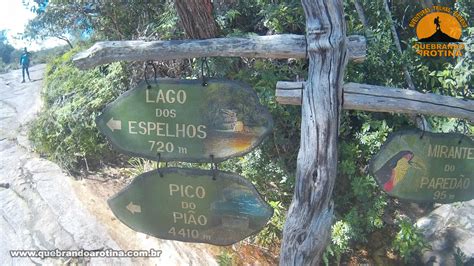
66,40
361,14
396,40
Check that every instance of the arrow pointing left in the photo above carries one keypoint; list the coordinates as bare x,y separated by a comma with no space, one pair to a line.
133,208
114,124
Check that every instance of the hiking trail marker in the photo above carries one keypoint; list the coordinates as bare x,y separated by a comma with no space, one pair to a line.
423,166
183,120
192,205
309,219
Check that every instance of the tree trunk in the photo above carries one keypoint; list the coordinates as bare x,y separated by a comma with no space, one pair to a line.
196,18
309,218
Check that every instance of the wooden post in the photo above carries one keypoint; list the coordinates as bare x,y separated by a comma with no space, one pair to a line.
309,219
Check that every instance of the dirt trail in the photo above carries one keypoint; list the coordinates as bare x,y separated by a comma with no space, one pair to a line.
42,208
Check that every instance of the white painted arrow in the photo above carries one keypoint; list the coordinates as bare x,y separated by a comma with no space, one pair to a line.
114,124
134,208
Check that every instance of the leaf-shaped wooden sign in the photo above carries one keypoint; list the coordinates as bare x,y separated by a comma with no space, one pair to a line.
183,120
423,166
192,205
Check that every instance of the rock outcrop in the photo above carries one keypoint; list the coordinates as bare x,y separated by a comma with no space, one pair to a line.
449,229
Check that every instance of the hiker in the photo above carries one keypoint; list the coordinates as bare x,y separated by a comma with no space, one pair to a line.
25,63
437,23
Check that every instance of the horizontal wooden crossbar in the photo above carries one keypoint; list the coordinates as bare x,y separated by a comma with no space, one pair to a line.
272,46
386,99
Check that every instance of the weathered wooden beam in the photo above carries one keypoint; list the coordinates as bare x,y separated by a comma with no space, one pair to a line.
273,46
309,219
385,99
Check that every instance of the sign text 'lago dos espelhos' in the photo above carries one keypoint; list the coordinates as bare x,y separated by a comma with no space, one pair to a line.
183,120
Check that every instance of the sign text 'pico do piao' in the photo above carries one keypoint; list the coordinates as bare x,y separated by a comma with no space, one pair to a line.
192,205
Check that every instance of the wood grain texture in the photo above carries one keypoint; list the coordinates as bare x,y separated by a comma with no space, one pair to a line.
272,46
366,97
308,223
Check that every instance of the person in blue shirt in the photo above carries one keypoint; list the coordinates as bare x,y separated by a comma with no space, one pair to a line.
25,63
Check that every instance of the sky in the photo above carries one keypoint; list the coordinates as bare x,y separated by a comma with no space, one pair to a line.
13,17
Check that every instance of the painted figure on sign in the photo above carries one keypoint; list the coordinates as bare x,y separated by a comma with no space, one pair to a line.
394,170
25,63
437,23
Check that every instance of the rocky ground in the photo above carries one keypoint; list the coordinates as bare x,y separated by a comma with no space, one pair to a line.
42,208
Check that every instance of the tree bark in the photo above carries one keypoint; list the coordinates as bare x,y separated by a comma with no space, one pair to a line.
309,218
196,18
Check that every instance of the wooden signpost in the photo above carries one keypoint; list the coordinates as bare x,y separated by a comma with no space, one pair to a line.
189,120
422,166
183,120
309,219
192,205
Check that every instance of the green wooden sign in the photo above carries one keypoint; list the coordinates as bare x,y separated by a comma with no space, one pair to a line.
186,121
192,205
426,167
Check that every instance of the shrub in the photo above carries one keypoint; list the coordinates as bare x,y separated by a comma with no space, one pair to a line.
409,241
65,129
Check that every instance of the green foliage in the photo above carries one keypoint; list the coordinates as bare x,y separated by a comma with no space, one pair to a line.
117,20
340,240
7,53
459,257
287,16
66,130
6,48
46,55
225,258
359,203
140,166
262,17
409,241
328,254
271,234
54,20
